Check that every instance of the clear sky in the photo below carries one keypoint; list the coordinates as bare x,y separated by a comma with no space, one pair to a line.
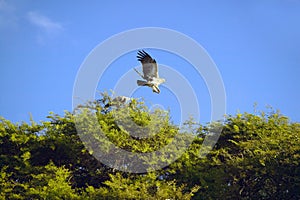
255,45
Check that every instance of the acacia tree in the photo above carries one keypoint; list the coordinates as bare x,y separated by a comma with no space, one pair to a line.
49,161
256,157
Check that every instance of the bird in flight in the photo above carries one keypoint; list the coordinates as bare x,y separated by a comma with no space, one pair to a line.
118,101
150,71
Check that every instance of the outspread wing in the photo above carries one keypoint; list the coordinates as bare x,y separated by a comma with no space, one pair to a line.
149,65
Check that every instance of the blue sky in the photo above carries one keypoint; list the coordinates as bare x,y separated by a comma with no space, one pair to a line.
255,45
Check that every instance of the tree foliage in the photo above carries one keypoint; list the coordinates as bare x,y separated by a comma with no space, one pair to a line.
256,157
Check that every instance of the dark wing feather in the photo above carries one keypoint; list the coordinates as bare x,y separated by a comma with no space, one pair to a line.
149,65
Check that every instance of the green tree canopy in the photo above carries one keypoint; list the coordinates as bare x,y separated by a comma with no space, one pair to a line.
256,157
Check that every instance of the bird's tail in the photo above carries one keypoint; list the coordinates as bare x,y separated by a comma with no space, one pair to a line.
141,83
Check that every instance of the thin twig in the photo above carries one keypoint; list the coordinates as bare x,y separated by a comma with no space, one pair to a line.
138,73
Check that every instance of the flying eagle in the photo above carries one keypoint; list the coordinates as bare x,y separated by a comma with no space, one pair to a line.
150,71
118,101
